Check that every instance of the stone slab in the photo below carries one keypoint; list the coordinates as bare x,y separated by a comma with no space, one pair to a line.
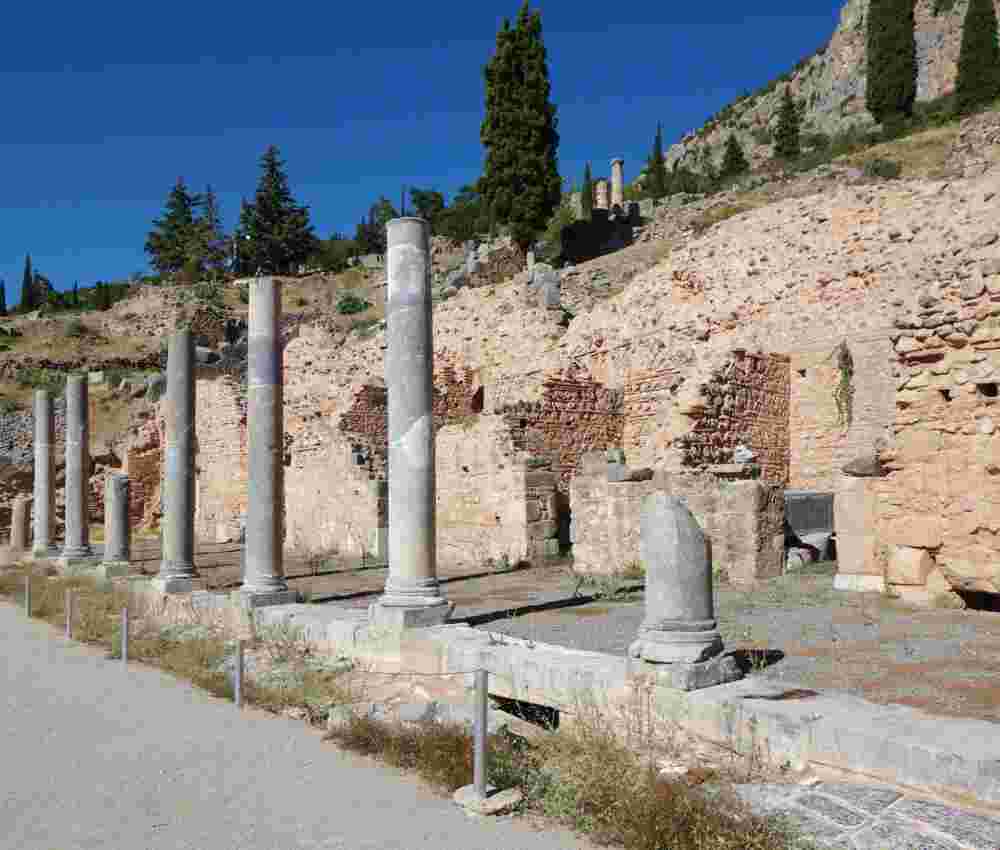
176,585
77,566
112,569
267,600
392,617
859,583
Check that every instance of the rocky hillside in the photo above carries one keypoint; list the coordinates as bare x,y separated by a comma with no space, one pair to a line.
831,84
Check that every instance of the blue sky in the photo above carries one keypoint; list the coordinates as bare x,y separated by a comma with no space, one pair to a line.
106,104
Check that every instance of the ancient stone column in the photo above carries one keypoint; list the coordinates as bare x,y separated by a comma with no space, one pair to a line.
601,194
20,530
680,623
45,467
412,596
117,534
76,546
264,576
177,569
617,183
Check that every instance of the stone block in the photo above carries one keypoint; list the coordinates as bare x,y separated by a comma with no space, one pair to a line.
112,569
692,676
249,599
909,566
391,617
176,585
919,531
494,803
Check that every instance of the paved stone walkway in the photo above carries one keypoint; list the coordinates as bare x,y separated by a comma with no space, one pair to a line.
870,817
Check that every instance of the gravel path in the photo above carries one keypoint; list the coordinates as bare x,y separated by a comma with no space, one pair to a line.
94,756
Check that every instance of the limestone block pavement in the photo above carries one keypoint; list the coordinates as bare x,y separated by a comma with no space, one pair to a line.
97,756
872,817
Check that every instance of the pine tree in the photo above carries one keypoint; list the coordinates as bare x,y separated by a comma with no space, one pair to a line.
656,168
978,81
520,185
587,193
76,293
3,298
27,287
173,241
280,234
786,137
210,237
734,162
891,88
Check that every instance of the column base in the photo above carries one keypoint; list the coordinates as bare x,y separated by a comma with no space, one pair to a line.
398,617
49,553
266,598
684,676
76,564
859,583
176,585
662,647
112,569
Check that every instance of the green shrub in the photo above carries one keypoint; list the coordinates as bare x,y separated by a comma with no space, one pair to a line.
761,135
884,169
244,293
40,379
350,303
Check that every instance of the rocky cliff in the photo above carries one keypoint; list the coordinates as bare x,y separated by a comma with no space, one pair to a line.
831,84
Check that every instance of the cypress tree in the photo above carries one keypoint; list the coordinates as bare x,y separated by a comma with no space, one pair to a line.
656,168
786,138
174,235
279,229
3,298
892,60
76,293
587,193
520,183
27,287
978,81
734,162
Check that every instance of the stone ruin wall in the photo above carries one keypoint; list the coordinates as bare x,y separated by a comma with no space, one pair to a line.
937,517
821,443
742,519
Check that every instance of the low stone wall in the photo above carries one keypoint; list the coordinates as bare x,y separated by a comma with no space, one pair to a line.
744,520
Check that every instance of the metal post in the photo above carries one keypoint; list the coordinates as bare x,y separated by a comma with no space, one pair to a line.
238,676
27,595
124,637
69,614
479,752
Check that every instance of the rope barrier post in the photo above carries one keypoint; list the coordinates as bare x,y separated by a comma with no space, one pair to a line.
69,614
124,637
27,595
479,741
238,676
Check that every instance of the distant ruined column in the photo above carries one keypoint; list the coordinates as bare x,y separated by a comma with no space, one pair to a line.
117,534
44,486
601,195
20,530
76,547
177,569
412,595
264,575
617,183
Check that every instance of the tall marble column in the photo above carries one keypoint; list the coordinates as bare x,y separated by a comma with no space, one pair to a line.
117,534
76,547
177,568
412,595
20,530
264,575
44,488
617,183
